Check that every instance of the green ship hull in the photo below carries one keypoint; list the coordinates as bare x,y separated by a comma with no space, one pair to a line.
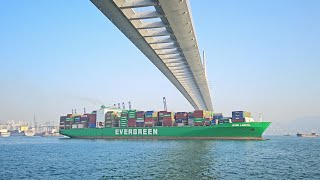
245,131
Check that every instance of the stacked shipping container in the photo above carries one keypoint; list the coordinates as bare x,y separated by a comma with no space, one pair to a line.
133,118
124,118
140,119
160,118
62,122
112,119
240,116
181,118
92,120
167,119
84,119
225,120
199,117
151,118
69,122
190,118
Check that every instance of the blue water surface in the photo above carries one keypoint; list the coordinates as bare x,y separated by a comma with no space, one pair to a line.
61,158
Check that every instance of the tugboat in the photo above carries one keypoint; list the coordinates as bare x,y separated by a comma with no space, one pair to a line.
307,135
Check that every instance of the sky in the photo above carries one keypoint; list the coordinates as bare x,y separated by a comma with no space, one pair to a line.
262,56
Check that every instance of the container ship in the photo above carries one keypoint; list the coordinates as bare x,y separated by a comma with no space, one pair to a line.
116,123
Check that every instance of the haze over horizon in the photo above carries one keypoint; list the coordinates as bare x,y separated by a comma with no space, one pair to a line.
262,56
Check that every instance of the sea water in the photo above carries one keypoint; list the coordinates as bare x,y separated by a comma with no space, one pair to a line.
63,158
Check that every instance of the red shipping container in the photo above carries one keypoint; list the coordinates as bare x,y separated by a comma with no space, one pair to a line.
92,118
237,120
198,123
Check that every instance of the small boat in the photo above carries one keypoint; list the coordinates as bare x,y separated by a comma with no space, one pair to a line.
4,133
307,135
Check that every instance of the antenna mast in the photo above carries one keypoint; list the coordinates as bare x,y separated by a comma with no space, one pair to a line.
35,123
129,105
164,103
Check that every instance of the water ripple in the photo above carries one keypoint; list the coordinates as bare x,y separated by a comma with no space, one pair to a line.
54,158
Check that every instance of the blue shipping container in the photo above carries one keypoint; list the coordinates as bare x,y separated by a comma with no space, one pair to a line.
237,114
92,125
217,117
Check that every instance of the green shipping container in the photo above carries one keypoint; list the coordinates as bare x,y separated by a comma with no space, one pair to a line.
69,119
198,119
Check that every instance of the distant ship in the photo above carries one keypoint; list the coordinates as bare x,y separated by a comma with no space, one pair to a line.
307,135
4,133
29,132
287,134
17,133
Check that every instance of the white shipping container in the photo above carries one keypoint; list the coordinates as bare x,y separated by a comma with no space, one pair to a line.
80,125
180,124
74,126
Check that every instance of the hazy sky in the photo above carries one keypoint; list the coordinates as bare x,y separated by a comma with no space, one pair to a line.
262,56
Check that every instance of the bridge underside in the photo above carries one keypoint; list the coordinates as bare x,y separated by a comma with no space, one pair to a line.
163,31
